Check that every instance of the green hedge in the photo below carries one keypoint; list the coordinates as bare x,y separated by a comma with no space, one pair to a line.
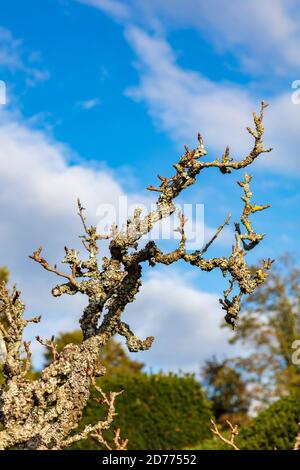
276,427
155,411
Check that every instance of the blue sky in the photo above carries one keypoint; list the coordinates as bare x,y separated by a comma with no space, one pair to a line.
101,96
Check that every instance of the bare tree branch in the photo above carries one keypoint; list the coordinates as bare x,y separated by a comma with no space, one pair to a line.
96,431
234,432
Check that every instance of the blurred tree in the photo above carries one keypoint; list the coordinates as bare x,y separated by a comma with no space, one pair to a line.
113,356
269,329
157,411
274,428
226,390
4,274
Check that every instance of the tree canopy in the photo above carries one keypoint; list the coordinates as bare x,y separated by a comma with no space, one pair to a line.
268,328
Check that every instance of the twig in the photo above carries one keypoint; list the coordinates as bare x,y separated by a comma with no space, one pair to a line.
234,432
216,235
37,257
51,345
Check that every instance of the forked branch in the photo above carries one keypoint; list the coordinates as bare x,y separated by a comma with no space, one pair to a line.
234,431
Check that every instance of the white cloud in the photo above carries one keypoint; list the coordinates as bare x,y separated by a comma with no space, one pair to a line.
263,36
260,34
182,102
184,321
89,104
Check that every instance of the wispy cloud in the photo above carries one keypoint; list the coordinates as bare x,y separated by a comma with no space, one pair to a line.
14,57
89,104
182,102
263,36
9,50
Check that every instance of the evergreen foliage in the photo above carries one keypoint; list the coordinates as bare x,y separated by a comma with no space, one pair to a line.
155,412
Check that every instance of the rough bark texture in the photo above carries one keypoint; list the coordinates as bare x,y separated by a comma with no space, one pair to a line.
43,413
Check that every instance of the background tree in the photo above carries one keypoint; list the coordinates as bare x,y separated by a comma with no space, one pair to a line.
113,356
226,390
275,427
268,328
4,274
156,411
